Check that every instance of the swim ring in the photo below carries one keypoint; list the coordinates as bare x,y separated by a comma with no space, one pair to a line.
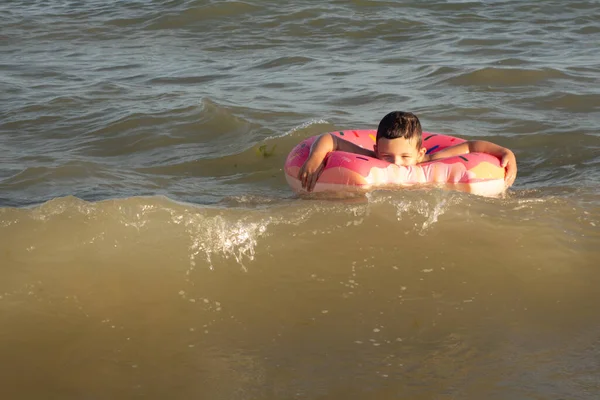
475,173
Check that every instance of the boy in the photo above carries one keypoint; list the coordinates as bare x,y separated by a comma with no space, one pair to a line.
399,142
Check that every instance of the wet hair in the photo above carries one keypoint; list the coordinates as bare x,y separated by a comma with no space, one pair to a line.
400,124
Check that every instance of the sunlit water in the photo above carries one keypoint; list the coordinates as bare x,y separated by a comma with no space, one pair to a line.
148,248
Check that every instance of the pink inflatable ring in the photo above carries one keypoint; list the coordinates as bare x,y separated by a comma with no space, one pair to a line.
475,173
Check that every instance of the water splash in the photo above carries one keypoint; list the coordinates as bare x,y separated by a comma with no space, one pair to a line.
220,236
306,125
424,211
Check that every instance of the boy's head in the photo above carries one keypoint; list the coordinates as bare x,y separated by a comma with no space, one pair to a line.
399,139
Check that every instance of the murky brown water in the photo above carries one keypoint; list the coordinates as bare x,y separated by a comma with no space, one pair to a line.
148,250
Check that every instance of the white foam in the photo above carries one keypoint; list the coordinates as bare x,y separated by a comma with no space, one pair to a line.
222,237
306,125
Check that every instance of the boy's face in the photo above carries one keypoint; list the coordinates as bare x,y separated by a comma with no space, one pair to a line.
399,151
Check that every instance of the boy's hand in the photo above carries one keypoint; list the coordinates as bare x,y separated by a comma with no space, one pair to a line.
509,162
310,172
325,144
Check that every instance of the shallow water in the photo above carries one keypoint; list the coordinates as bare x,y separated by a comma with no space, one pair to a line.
148,248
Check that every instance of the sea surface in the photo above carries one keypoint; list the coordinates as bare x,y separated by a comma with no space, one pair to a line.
150,246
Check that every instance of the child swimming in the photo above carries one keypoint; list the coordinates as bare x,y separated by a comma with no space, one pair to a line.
399,141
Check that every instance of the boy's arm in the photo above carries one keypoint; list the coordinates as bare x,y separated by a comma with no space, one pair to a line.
507,157
326,143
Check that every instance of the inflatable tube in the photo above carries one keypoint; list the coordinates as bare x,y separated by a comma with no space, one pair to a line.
475,173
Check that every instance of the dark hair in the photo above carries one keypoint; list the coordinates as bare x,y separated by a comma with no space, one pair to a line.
400,124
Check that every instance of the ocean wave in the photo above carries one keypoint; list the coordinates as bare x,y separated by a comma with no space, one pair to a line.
571,102
219,235
194,15
209,126
284,62
187,80
493,76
